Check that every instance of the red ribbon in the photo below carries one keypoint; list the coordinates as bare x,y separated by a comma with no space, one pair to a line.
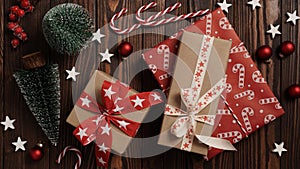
115,102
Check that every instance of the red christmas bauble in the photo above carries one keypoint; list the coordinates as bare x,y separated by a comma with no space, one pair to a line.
287,48
14,9
30,8
23,36
36,153
25,3
21,13
294,91
12,17
125,49
11,25
15,43
264,52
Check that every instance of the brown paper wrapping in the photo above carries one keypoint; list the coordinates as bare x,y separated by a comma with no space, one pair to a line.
120,140
182,78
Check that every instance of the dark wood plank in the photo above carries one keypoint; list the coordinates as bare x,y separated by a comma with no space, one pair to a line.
2,6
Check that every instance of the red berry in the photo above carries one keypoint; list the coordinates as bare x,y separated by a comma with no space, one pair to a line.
15,43
21,13
29,9
23,36
25,4
12,25
18,30
12,17
14,9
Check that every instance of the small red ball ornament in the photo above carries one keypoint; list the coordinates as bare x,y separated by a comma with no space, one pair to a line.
286,48
294,91
125,49
23,36
18,30
37,152
264,52
12,25
15,43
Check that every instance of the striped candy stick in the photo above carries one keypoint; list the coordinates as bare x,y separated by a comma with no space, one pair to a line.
70,148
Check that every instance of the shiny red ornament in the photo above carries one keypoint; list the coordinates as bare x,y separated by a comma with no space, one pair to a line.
21,13
37,152
12,17
14,9
23,36
125,49
264,52
294,91
286,48
15,43
29,9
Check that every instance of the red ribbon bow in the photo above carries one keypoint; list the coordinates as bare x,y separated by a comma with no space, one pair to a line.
115,102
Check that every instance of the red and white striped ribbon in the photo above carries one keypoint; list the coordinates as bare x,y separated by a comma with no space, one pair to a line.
70,148
150,21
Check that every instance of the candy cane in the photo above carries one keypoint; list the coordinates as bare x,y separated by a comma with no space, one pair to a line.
71,148
228,88
256,76
268,100
153,68
245,112
236,134
224,24
278,106
164,76
208,23
247,55
164,49
153,17
268,118
241,68
149,22
223,112
249,93
238,49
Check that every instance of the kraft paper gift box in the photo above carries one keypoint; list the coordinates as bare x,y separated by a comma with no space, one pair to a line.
109,113
198,82
249,104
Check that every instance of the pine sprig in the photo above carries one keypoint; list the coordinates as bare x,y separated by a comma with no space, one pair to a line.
67,27
41,90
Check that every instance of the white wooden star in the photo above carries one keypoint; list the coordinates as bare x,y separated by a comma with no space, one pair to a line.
72,74
254,4
293,17
109,92
102,148
19,144
156,97
101,161
123,124
274,30
106,56
82,132
117,109
279,148
85,101
8,123
224,6
138,101
97,36
105,129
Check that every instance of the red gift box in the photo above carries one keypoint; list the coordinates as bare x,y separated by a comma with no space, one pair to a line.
250,103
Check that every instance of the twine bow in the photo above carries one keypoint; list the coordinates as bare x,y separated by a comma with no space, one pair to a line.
185,125
115,103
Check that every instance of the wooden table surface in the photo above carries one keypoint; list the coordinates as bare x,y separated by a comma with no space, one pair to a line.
251,26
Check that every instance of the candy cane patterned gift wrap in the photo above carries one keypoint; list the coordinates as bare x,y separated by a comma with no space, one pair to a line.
250,102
